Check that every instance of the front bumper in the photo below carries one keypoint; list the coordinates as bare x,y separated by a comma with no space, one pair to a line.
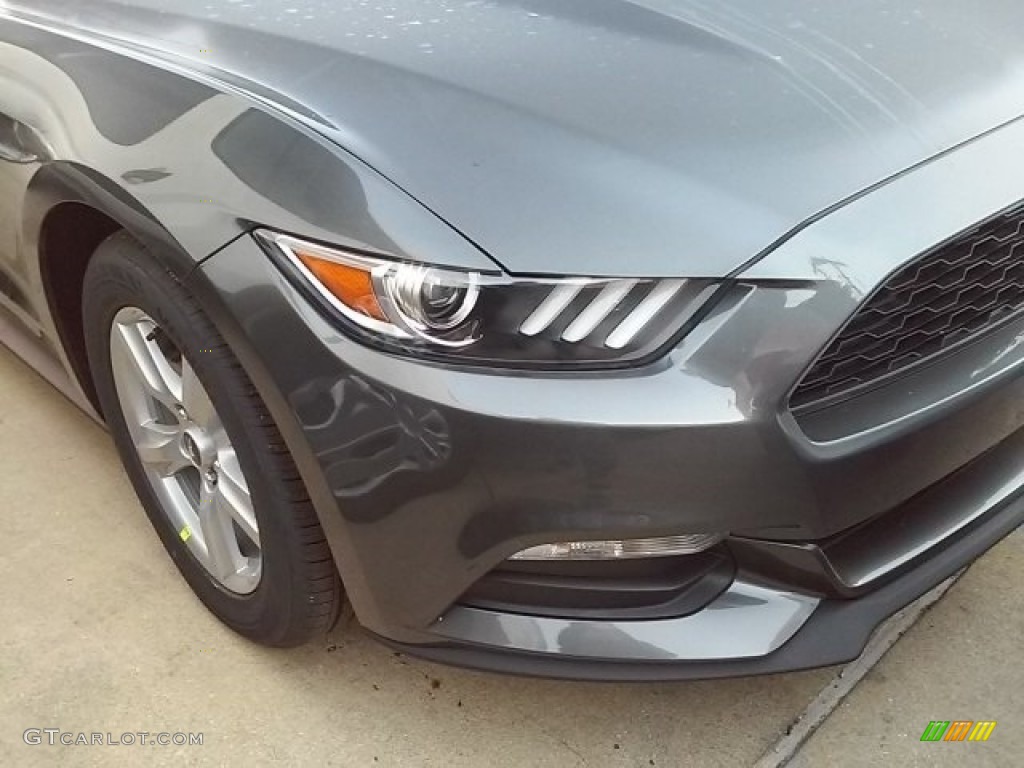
834,631
427,478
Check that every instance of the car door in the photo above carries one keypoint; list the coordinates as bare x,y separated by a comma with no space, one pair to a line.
21,152
12,157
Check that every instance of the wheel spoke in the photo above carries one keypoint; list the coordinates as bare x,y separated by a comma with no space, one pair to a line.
150,366
159,447
218,534
195,400
234,498
179,436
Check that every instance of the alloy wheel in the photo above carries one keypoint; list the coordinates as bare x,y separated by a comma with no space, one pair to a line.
185,451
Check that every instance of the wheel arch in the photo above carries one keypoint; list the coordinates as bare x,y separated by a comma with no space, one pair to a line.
72,210
69,211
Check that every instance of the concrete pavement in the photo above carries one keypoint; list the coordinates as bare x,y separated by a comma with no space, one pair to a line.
98,633
960,662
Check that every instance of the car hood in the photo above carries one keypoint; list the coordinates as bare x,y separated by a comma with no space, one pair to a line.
630,137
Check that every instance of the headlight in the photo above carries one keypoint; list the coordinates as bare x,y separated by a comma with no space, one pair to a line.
491,317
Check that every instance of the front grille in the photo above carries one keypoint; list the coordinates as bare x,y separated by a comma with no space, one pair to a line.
952,294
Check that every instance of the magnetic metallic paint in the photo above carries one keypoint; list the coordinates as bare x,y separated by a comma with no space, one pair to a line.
686,116
805,155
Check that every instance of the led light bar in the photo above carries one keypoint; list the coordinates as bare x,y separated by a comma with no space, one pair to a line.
620,308
640,317
598,310
626,549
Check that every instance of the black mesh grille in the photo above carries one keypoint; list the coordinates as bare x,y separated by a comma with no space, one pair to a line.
952,294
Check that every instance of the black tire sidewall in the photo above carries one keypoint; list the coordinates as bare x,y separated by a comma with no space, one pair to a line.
121,274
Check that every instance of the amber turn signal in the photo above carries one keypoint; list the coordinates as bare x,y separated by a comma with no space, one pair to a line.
350,285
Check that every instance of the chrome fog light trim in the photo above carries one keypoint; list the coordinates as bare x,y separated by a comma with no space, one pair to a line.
626,549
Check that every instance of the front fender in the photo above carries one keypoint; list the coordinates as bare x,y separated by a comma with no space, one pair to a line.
205,159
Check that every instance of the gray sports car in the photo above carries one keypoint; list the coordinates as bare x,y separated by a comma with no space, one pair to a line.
611,339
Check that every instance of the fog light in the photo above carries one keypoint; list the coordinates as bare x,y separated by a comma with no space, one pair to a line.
666,546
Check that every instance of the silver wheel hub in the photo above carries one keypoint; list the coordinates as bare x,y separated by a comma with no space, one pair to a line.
198,448
185,451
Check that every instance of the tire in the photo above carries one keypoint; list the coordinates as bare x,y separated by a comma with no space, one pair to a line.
220,488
